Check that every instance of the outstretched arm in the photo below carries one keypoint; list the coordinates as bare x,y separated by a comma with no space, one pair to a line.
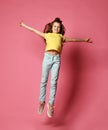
32,29
77,40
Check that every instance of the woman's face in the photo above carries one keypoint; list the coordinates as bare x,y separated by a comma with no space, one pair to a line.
56,27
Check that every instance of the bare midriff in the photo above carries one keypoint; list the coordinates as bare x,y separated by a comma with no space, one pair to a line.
53,52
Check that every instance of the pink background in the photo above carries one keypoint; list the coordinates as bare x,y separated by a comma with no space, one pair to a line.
82,96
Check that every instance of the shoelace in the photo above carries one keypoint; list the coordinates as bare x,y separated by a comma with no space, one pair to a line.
42,104
51,108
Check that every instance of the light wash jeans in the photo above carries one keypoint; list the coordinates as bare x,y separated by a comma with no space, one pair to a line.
50,63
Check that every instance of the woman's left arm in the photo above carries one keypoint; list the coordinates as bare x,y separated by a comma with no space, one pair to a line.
77,40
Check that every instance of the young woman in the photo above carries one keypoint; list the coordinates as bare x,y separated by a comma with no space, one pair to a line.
54,39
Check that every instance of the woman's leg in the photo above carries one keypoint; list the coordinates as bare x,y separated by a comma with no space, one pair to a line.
46,66
54,77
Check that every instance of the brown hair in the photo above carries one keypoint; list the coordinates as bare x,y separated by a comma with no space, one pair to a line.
48,27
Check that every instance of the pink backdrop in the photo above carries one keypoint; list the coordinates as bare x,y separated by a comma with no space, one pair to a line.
82,96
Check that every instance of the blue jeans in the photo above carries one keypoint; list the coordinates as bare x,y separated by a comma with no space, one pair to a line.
50,63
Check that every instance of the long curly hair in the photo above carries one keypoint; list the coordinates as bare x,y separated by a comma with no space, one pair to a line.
48,26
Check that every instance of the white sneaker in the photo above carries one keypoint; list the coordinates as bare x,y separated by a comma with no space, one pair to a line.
50,110
41,107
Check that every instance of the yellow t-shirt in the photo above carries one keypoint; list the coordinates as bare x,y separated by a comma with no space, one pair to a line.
53,41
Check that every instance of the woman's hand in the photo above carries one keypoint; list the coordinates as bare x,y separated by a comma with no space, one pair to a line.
21,24
89,40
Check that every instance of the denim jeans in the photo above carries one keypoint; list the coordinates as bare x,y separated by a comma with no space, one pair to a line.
50,63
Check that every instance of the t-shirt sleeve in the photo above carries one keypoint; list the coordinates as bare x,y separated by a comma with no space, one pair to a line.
46,35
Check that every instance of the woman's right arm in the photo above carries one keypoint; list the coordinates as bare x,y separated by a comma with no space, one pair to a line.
32,29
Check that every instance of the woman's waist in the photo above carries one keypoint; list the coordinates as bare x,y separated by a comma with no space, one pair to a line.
53,52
